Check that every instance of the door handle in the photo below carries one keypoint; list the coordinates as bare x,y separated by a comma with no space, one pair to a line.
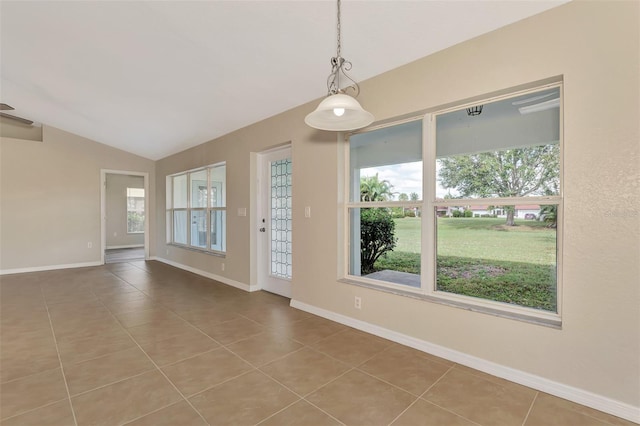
263,229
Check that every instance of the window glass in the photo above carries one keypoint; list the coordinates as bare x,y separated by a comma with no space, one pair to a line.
200,222
218,237
389,244
386,164
135,210
180,192
479,255
217,184
511,149
280,231
491,222
198,185
502,250
180,226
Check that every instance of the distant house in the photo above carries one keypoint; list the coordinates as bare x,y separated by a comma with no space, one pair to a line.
525,211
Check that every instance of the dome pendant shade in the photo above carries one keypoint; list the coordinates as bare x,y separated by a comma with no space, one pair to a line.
339,112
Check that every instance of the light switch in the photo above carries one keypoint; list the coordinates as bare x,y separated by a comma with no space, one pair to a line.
307,211
242,211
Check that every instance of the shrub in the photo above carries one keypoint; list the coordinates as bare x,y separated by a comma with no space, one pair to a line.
456,213
468,213
409,213
377,236
397,212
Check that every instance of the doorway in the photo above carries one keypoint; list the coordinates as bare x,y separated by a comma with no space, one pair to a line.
275,267
124,216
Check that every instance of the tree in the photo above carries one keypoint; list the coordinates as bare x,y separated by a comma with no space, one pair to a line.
374,189
509,173
403,197
377,230
549,214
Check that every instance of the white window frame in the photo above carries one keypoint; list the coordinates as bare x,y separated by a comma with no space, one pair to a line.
428,204
219,249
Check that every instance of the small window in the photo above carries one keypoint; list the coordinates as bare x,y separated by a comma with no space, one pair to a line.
196,208
135,210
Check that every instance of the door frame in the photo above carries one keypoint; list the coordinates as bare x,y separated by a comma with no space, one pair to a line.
103,208
256,192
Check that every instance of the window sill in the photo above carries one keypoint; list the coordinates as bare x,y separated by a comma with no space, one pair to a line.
199,250
546,319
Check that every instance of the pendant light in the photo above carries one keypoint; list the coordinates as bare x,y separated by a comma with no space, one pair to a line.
339,111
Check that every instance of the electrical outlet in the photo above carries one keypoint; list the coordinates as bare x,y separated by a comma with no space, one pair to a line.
357,303
89,244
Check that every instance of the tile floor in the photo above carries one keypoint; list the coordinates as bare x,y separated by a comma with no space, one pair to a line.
143,343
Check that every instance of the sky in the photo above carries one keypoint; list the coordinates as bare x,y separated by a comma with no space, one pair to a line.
405,178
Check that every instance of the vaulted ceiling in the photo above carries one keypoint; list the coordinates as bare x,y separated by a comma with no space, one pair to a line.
155,78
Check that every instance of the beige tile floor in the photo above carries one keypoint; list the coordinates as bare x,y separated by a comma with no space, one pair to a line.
143,343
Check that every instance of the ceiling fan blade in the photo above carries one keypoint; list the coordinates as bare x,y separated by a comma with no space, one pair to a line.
13,117
5,107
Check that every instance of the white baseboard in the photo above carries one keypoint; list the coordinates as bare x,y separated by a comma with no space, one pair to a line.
580,396
48,268
125,246
224,280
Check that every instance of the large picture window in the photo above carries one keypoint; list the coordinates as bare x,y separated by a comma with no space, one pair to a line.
196,208
462,206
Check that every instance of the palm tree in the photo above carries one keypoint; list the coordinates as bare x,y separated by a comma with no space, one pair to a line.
549,214
374,189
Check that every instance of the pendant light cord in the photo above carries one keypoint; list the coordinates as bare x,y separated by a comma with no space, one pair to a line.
339,65
339,28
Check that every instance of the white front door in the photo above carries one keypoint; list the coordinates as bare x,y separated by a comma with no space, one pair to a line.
274,221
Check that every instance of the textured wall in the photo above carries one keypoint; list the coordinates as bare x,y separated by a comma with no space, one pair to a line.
594,46
50,194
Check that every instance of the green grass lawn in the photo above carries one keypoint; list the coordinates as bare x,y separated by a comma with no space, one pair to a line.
482,257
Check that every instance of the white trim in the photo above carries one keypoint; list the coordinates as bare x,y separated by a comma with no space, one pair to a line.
260,181
125,246
48,268
103,209
224,280
580,396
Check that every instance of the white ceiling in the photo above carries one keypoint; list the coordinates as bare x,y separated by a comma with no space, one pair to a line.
155,78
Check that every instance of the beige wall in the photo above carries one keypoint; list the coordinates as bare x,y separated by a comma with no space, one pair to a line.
13,129
50,194
595,47
116,210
